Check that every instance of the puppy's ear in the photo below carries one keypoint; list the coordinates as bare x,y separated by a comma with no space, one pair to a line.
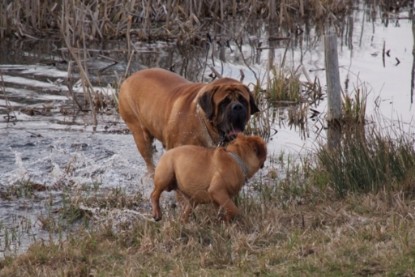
240,136
252,104
259,146
206,103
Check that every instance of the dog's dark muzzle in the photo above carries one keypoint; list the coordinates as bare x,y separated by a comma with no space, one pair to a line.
236,114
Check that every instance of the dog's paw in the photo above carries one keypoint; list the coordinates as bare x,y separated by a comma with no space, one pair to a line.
156,216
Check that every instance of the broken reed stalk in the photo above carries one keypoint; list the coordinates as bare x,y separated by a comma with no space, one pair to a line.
69,84
147,22
128,35
273,11
247,64
302,8
86,83
130,59
9,109
282,11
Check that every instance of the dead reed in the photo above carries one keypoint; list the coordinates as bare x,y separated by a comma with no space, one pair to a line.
146,19
78,23
285,98
10,116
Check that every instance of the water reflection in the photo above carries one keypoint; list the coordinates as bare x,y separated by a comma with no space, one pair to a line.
38,94
246,50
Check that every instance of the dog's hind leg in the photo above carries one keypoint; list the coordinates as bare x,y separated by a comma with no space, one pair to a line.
144,141
142,137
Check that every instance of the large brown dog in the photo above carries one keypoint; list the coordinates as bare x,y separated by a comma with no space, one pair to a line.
205,175
156,103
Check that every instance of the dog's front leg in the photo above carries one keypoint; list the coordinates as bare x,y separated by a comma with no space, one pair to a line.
187,211
221,197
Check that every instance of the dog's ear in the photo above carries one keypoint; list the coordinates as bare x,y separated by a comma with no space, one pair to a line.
259,146
252,104
206,103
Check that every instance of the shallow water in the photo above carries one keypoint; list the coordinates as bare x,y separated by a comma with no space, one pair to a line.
44,141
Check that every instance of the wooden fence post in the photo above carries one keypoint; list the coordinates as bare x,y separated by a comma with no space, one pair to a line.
334,103
413,54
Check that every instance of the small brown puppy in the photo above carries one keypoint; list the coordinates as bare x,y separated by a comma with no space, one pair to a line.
159,104
206,175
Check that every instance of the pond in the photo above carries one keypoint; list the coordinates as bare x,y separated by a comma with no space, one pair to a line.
46,139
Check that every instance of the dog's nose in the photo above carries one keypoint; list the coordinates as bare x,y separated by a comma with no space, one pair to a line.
237,107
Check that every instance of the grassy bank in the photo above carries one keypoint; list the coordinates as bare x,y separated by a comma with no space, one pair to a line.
295,222
284,234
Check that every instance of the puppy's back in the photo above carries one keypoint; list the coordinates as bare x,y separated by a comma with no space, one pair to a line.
189,167
186,156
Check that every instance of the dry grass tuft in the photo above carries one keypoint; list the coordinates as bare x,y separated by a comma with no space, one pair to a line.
361,234
288,227
369,162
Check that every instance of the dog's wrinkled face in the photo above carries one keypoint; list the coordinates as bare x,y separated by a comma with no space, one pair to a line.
255,143
228,105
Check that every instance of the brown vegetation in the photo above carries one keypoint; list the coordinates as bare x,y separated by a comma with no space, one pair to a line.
294,229
147,19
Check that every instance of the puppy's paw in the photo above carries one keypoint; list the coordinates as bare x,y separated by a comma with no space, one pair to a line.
229,218
223,217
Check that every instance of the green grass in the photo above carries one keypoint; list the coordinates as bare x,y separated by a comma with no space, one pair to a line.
364,163
284,89
21,189
354,108
285,97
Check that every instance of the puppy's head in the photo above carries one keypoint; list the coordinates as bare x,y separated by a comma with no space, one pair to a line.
252,149
228,105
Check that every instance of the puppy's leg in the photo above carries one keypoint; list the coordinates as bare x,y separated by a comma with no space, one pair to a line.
187,207
221,197
155,202
164,179
186,213
181,199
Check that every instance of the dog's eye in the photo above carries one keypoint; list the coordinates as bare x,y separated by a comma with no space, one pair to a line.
225,103
242,100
